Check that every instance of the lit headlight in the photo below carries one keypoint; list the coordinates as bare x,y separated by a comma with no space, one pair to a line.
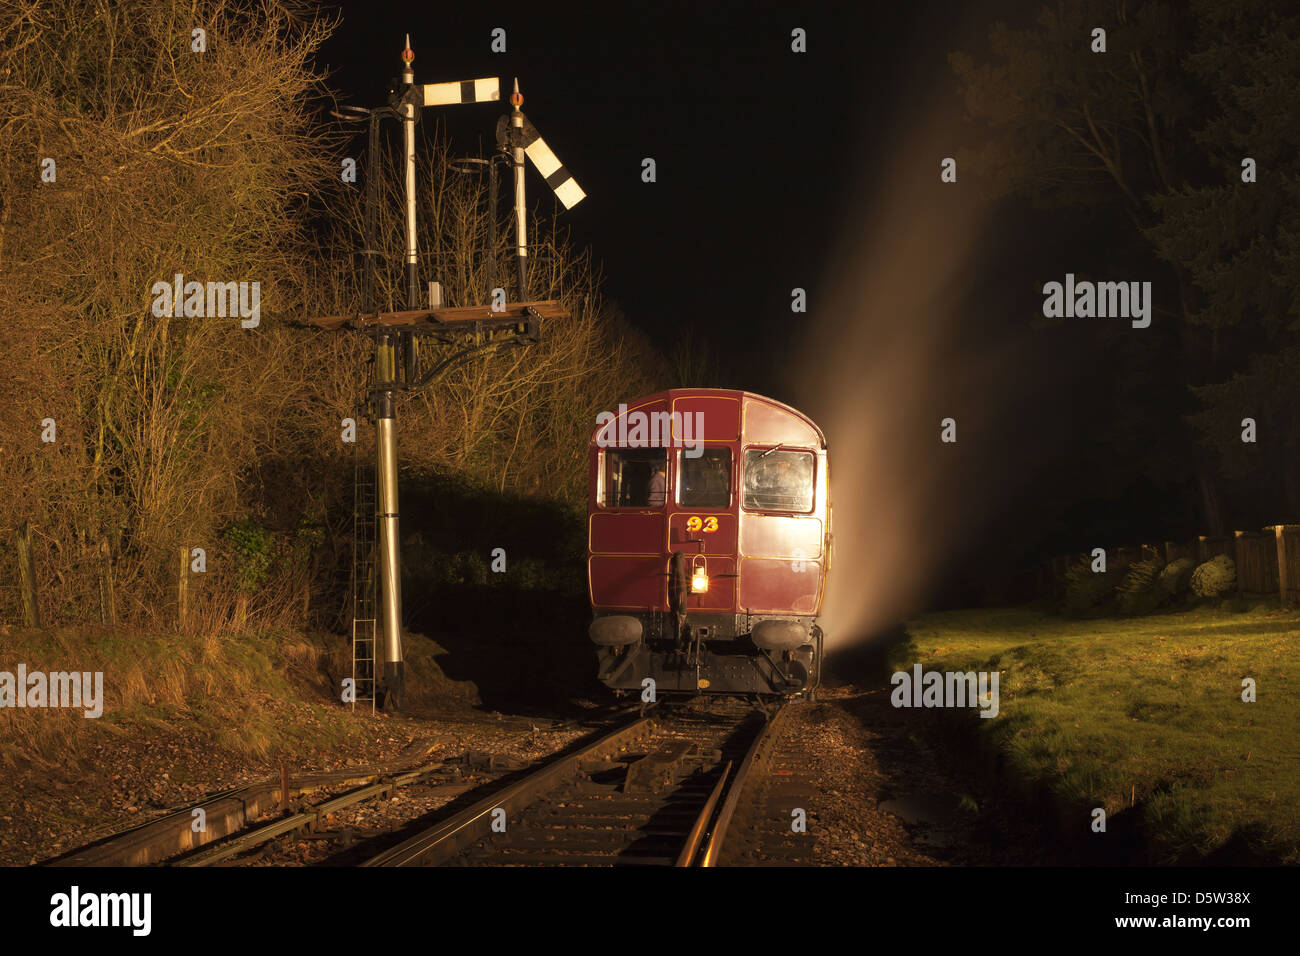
699,581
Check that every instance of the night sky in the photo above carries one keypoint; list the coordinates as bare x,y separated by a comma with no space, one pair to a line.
764,157
756,146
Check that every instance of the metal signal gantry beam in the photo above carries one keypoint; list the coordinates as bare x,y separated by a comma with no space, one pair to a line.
484,329
434,322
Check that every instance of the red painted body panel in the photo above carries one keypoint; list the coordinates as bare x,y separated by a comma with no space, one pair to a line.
716,534
640,581
626,532
757,561
721,413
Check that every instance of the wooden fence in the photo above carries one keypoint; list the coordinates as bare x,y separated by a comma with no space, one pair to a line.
1267,561
1255,553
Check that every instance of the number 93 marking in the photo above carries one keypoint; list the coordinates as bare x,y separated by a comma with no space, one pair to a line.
708,524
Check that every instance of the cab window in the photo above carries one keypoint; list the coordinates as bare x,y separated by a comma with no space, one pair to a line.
635,478
778,480
704,482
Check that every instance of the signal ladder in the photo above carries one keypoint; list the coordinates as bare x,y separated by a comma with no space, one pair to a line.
364,619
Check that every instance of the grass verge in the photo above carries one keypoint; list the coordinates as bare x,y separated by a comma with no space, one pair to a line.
1143,716
212,686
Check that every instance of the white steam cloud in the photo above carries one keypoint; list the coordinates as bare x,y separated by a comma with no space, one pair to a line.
894,349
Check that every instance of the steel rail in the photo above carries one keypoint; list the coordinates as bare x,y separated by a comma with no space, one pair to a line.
759,751
696,836
308,817
444,840
226,813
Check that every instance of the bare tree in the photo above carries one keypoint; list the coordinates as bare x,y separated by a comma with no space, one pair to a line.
136,148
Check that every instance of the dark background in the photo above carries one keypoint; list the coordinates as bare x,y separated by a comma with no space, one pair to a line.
759,154
755,147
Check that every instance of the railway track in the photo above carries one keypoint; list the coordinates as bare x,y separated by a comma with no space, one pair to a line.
238,826
234,812
684,787
769,819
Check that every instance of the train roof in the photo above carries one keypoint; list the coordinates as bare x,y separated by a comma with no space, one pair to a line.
669,396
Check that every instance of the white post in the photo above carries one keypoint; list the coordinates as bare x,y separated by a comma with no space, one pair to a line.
386,364
408,136
521,229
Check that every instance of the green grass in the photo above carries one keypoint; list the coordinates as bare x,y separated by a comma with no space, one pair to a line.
1108,712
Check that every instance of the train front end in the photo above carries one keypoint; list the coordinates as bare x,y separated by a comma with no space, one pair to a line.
708,545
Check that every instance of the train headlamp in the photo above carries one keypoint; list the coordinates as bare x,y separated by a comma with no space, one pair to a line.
699,577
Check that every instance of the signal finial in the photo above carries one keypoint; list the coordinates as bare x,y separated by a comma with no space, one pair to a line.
408,54
516,98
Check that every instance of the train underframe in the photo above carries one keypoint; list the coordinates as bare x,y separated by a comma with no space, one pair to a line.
711,654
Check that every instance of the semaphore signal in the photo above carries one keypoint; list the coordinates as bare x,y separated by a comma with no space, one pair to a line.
397,335
413,95
519,138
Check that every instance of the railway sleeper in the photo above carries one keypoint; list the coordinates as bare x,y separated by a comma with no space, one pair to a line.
613,841
591,817
578,859
612,797
625,834
659,770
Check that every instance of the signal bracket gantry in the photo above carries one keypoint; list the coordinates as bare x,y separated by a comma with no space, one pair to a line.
397,335
404,105
481,328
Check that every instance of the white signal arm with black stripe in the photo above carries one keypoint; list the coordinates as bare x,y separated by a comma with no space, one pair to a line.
562,183
517,138
460,91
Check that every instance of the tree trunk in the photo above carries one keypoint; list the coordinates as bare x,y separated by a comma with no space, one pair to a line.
1213,517
107,597
27,573
306,593
183,591
1290,486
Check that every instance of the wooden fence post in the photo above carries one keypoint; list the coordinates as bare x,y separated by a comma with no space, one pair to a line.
27,574
1124,557
1288,562
1207,548
1256,558
183,590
